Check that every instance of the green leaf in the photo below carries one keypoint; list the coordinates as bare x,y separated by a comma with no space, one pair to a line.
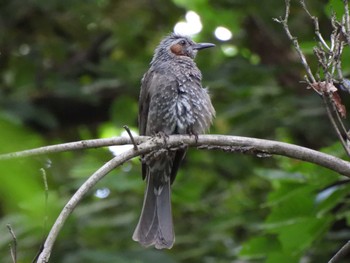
290,201
330,197
298,235
278,257
259,247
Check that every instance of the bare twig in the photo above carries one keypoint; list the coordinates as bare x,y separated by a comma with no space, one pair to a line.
284,22
341,253
131,137
342,128
316,25
335,125
46,190
329,60
346,22
13,248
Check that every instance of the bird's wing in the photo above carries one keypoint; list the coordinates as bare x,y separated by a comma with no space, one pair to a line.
154,82
144,100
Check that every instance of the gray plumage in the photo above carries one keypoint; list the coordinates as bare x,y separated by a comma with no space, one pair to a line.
172,101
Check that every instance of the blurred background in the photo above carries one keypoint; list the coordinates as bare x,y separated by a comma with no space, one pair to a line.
71,70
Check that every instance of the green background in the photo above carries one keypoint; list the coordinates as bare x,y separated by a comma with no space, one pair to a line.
71,70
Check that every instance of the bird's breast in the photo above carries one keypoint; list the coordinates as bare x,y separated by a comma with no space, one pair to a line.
181,107
185,112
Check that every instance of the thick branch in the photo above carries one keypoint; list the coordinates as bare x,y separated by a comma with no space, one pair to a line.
231,143
65,147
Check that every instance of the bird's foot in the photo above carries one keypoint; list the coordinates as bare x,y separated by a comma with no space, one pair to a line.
192,133
164,136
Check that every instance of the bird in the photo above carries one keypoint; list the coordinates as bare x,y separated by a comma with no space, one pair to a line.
172,101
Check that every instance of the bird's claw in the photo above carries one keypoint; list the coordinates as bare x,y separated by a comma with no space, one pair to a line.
191,133
164,136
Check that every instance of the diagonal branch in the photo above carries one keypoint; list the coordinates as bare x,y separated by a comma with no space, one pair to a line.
73,202
254,146
341,253
237,144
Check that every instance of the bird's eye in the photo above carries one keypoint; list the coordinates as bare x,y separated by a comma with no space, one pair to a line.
182,42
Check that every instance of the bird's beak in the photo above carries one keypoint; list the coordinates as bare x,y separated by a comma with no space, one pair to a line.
200,46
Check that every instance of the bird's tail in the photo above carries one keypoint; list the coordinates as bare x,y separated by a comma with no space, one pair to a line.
155,226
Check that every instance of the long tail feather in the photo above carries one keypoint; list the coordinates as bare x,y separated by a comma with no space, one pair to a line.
155,226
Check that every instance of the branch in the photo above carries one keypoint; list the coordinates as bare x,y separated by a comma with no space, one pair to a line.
131,136
144,148
335,125
329,58
341,253
316,25
72,203
13,247
258,147
223,142
64,147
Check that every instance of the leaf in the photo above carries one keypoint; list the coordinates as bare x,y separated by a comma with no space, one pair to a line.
278,257
290,200
299,234
330,197
259,247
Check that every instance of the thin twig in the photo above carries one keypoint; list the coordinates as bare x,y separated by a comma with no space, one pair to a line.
131,137
13,248
341,253
347,18
284,22
46,190
316,25
341,124
329,61
335,126
346,23
338,64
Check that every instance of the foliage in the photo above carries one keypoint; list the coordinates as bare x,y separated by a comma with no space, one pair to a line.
70,70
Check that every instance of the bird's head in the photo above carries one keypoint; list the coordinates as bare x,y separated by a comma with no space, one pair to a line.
176,45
